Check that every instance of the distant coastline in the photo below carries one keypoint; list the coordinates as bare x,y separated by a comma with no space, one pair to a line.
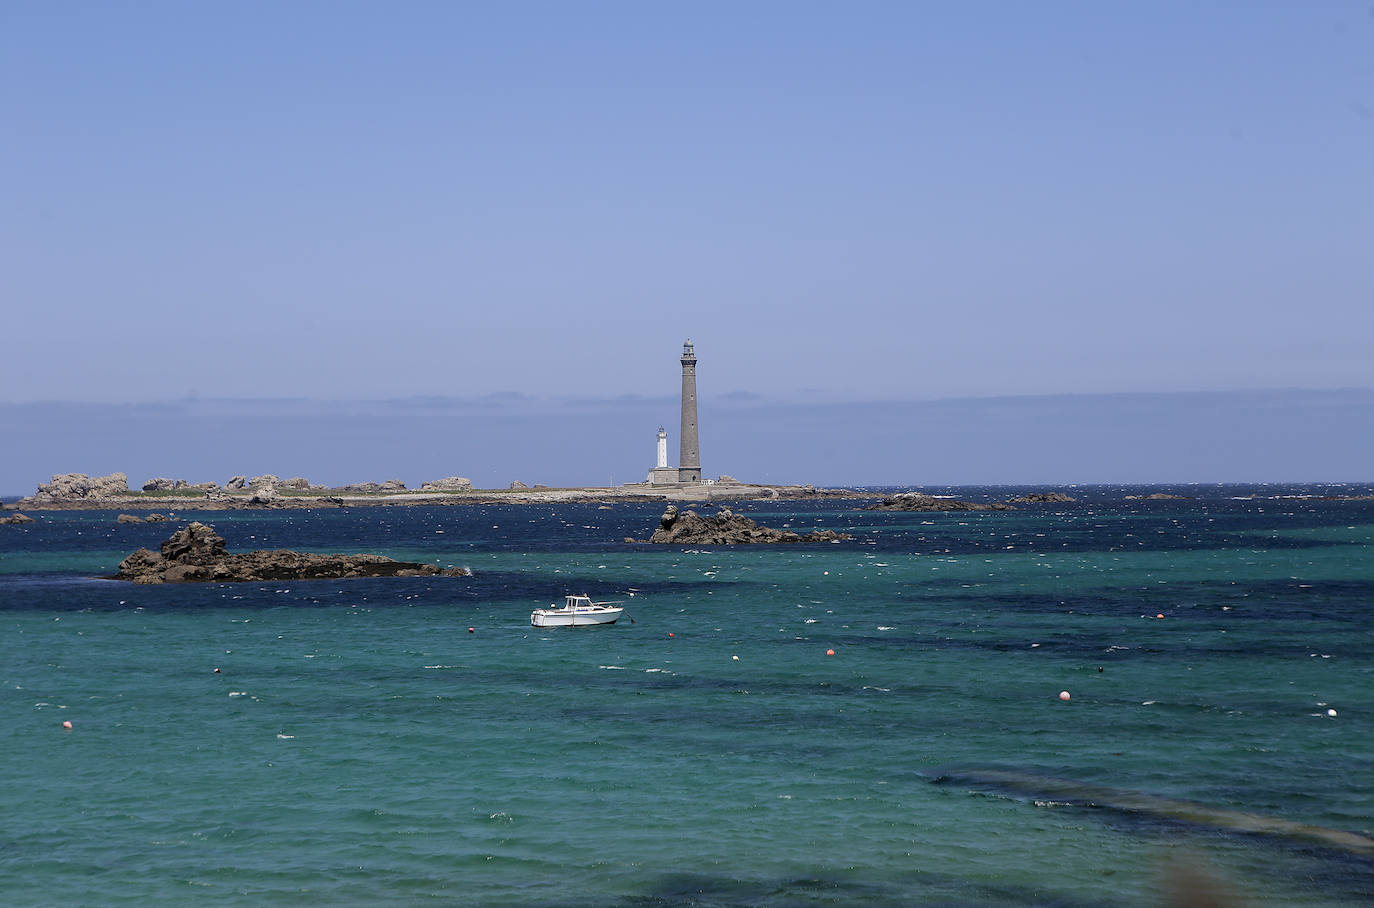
77,491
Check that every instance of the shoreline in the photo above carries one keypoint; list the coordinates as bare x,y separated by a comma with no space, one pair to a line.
255,500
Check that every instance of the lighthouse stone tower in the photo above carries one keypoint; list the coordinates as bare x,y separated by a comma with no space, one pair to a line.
689,458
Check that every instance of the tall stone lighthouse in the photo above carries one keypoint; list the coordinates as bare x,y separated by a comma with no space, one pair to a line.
689,456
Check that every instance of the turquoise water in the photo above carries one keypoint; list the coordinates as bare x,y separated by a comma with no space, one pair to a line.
359,745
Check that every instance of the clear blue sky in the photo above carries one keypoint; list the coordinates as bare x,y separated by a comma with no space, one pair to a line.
867,201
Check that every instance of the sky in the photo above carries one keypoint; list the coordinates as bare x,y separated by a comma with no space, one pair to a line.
842,205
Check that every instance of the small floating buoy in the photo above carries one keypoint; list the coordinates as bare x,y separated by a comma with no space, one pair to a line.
1160,615
217,671
671,634
830,652
734,658
67,724
472,630
1064,695
1331,713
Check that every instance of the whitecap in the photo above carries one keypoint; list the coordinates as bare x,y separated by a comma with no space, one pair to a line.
614,668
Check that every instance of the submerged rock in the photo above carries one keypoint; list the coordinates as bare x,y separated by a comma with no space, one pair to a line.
197,554
919,501
17,518
727,528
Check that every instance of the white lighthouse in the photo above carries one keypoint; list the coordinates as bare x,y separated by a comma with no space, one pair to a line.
662,474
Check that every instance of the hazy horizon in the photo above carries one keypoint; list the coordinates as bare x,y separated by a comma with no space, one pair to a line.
1194,437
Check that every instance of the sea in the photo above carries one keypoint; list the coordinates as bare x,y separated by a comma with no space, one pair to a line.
1105,702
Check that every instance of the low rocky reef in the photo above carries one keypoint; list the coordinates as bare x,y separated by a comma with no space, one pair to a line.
920,501
727,528
197,554
16,519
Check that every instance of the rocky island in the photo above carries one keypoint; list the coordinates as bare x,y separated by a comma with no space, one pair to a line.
727,528
197,554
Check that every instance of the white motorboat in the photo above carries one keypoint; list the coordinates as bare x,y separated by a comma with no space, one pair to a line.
578,611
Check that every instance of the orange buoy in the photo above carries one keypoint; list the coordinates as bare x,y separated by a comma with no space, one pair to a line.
67,724
830,652
1160,615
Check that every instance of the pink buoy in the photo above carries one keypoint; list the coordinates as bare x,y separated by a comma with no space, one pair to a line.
67,724
1064,695
472,630
830,652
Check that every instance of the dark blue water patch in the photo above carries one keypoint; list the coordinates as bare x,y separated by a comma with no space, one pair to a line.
1340,601
1104,648
1295,852
926,888
589,527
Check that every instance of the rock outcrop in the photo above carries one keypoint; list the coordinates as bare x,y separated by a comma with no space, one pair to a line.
197,554
159,484
727,528
519,486
1157,496
1042,498
76,486
134,518
448,484
390,485
919,501
236,483
16,519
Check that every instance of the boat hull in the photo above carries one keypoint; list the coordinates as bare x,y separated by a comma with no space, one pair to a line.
558,617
